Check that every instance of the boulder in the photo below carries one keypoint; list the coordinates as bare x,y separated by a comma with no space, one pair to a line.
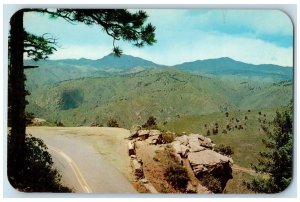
206,142
157,139
194,144
208,161
184,150
137,168
134,131
155,133
143,134
182,139
176,147
131,149
193,135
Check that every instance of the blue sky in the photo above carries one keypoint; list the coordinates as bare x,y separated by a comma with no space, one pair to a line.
252,36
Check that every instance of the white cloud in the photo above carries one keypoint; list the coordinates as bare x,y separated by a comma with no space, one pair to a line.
77,52
204,46
182,36
207,46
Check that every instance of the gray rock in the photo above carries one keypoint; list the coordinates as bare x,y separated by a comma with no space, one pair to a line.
157,139
184,151
137,168
143,134
183,139
155,133
194,144
207,161
193,135
131,148
206,142
134,131
176,147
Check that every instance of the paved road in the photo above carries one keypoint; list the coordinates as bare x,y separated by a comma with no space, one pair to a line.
81,165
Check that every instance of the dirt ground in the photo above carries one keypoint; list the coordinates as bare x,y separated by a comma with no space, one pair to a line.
155,162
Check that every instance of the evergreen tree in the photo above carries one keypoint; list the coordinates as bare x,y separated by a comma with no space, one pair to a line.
120,24
277,160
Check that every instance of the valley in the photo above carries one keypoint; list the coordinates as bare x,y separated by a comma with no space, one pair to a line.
225,100
161,93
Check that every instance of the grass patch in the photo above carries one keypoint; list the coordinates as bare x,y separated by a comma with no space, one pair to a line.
236,185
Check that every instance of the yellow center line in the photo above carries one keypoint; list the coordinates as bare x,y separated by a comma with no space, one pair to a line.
75,169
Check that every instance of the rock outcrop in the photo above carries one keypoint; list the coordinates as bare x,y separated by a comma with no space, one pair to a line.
194,149
151,136
203,160
137,167
134,131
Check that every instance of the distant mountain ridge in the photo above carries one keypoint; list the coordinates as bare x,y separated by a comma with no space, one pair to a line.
53,71
227,66
124,62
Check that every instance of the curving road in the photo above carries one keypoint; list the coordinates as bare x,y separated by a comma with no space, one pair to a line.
81,165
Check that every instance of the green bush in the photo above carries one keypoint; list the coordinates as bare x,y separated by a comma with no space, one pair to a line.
150,123
37,174
225,150
208,133
112,123
176,174
168,137
59,124
212,183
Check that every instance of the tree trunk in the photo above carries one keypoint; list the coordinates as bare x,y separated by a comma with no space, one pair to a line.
16,95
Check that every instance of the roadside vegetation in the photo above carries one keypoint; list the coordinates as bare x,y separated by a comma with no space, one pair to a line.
176,174
37,173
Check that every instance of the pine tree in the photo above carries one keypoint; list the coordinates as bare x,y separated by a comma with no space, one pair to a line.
120,24
277,160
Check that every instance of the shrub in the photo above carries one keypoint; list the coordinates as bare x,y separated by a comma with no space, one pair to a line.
168,137
212,183
215,131
208,133
29,118
224,131
176,174
226,114
150,123
112,123
37,174
225,150
59,124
